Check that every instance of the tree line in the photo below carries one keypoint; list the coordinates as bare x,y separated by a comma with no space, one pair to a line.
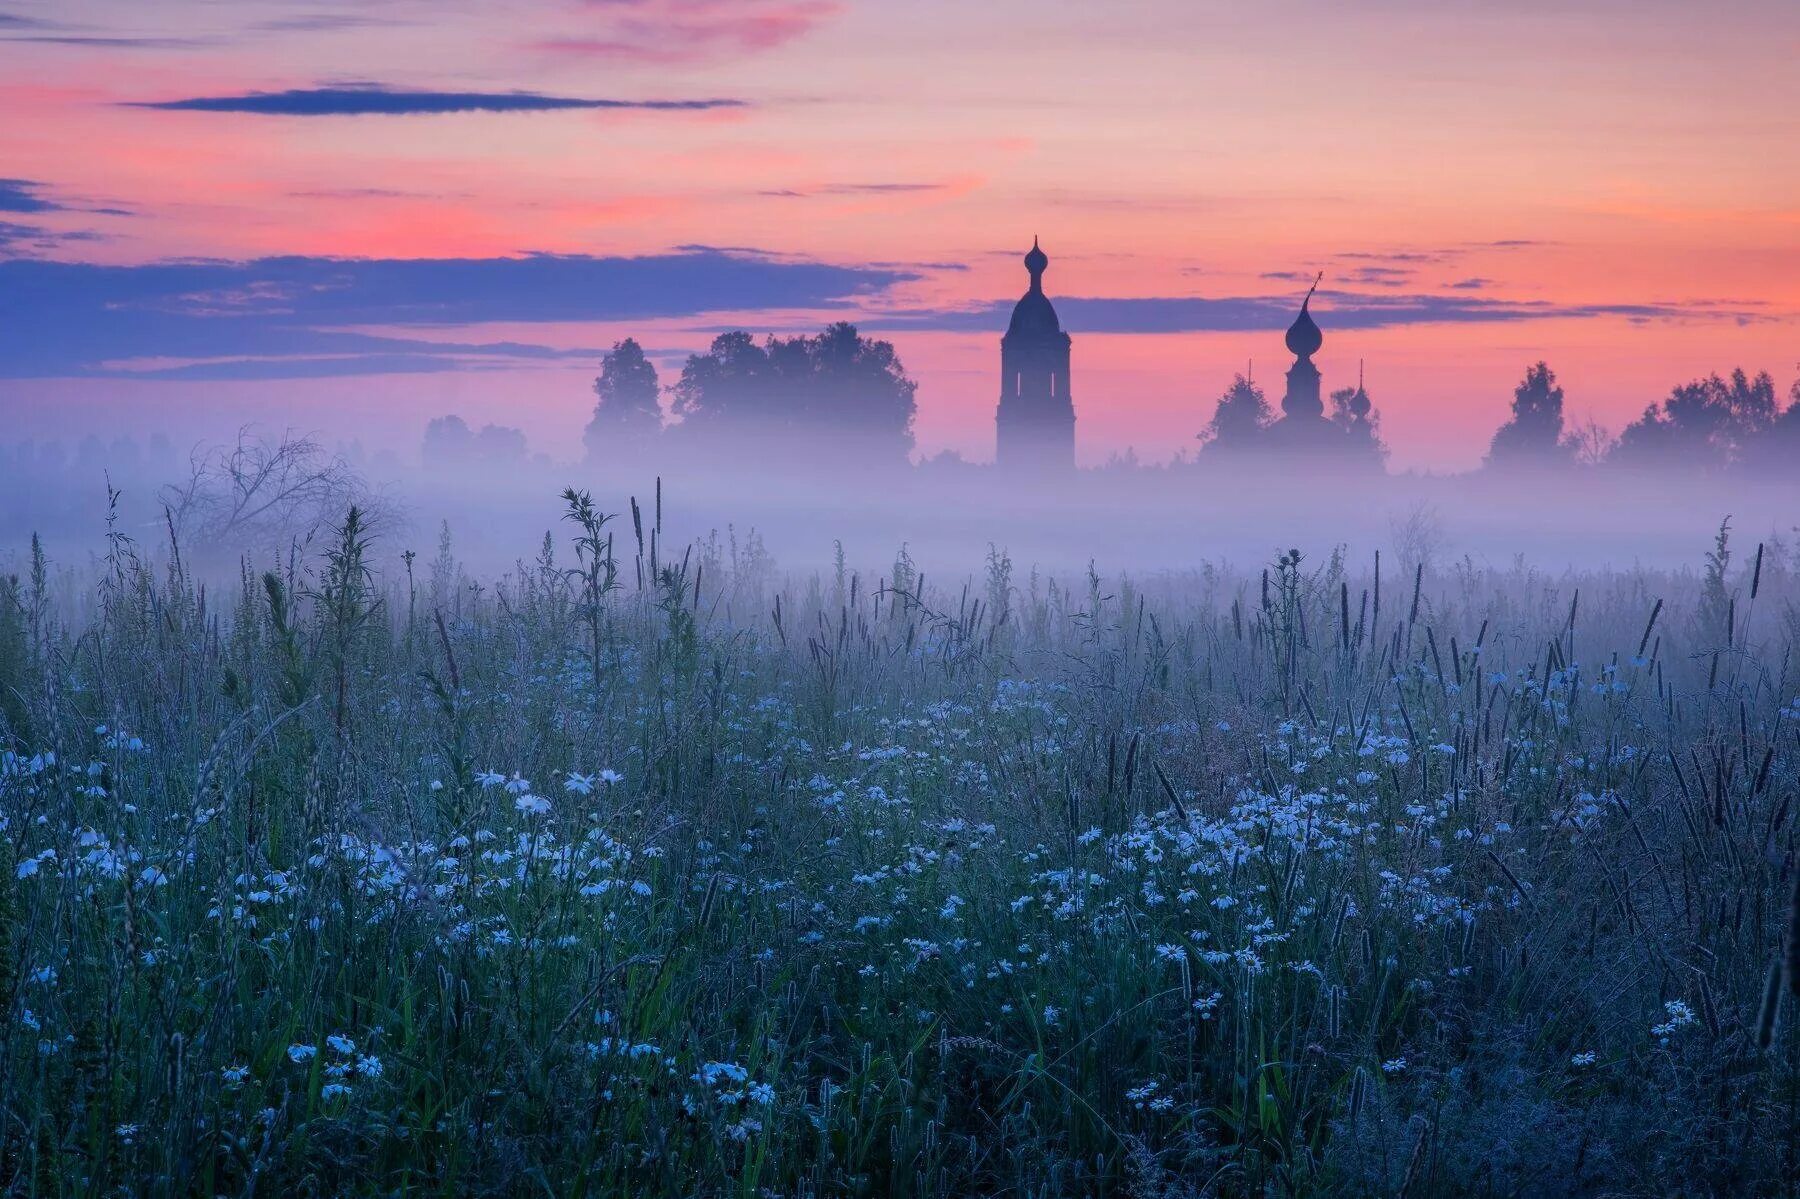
850,389
1709,425
852,394
1243,420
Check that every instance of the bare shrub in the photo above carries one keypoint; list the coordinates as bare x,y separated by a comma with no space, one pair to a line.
262,493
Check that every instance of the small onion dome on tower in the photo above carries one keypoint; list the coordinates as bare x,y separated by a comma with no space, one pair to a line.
1303,336
1359,403
1034,315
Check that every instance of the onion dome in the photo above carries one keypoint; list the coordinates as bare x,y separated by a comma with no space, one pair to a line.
1360,403
1303,336
1035,262
1033,315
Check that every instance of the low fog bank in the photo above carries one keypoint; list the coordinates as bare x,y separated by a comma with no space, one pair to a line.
269,496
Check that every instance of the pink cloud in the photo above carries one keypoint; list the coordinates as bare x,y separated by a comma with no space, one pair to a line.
687,31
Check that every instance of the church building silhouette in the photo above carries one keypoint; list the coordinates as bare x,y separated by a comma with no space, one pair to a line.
1035,424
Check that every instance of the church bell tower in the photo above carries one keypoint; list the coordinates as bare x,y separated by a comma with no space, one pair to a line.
1035,425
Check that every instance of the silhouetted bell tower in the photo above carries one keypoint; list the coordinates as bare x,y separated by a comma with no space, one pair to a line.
1035,426
1302,401
1303,427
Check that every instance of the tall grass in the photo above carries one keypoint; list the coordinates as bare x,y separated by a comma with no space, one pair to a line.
679,876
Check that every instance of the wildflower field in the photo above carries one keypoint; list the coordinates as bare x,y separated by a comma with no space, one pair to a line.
632,872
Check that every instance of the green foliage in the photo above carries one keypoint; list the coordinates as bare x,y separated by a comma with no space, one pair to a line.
1714,617
597,570
16,673
1089,886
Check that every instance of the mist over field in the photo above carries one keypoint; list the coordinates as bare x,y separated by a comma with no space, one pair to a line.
801,509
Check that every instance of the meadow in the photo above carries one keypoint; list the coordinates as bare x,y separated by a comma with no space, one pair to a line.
641,870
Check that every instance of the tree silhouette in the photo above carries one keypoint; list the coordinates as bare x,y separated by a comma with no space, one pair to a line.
725,385
1778,449
448,442
839,383
1707,424
451,444
1589,441
500,445
626,407
860,384
1241,418
1533,435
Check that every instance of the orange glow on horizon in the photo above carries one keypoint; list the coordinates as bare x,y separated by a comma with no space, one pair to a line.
1146,146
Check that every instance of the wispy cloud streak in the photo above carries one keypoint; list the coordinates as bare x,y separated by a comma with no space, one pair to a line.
376,99
297,316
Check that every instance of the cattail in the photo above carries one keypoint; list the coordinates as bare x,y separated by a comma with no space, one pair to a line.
1375,616
1416,1162
1511,878
1771,1002
1709,1011
706,902
1792,958
1337,926
1169,790
1344,613
1644,641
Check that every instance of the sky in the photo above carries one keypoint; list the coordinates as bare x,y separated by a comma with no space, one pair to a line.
351,217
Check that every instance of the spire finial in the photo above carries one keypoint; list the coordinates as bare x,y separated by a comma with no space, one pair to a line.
1360,404
1303,336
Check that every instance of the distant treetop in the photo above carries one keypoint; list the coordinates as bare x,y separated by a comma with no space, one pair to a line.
838,383
627,406
1533,435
